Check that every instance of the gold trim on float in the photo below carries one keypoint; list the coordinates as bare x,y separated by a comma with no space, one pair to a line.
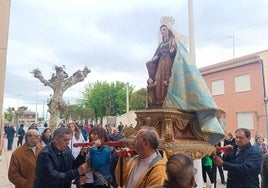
177,132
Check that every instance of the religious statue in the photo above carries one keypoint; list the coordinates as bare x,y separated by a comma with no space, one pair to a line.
159,68
176,83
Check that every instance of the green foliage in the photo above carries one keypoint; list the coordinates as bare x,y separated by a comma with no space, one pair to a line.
8,116
12,115
77,112
106,99
138,99
22,108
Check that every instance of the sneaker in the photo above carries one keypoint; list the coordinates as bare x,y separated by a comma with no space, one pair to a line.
212,185
204,184
1,157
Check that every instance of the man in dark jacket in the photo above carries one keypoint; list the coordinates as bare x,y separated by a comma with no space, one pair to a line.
10,133
56,165
243,162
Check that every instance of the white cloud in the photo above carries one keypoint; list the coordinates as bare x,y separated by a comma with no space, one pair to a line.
116,38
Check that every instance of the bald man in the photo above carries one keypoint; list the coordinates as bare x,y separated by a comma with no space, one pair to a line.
21,170
148,167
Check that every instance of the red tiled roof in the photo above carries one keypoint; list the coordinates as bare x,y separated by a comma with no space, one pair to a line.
251,58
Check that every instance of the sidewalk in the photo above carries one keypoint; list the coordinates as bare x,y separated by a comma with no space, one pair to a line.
4,164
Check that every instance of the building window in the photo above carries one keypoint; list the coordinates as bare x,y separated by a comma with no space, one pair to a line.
245,120
242,83
217,87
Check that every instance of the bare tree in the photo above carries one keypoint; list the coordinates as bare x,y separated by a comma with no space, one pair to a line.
59,82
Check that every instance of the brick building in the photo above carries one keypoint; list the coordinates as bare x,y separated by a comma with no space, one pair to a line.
239,89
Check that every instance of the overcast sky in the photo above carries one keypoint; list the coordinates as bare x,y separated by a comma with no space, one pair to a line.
115,38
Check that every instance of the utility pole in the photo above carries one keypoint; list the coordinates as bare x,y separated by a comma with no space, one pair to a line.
127,98
191,30
197,162
36,113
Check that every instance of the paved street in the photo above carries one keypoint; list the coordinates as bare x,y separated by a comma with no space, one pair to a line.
4,163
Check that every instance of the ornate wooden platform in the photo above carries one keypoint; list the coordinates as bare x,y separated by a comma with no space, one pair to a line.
176,129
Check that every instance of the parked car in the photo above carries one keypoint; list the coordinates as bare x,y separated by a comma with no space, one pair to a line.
41,129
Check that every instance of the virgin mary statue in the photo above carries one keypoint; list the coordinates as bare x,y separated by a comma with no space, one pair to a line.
176,83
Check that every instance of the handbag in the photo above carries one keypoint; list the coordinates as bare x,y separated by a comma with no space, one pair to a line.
102,178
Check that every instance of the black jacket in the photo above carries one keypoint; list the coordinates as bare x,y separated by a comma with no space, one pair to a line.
243,168
55,169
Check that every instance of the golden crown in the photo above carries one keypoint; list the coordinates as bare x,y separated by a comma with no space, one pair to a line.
167,20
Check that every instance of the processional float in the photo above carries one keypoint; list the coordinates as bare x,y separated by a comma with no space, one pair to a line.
179,104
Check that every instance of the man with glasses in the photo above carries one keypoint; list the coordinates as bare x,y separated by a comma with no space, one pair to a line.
23,161
242,161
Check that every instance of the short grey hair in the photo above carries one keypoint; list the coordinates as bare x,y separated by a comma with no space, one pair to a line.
29,133
59,132
151,135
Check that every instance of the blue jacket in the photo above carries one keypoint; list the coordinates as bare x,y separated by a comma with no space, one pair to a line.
21,131
10,131
243,168
100,162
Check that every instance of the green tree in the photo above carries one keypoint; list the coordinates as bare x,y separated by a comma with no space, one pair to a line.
138,99
10,114
78,112
106,99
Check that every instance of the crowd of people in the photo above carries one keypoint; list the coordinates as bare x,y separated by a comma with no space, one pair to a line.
58,163
46,161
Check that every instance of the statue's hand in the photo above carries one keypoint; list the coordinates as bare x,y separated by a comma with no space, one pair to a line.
166,82
154,58
172,49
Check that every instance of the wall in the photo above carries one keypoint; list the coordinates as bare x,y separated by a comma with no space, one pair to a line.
4,27
233,102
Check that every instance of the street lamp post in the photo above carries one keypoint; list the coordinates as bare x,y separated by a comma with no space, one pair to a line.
36,108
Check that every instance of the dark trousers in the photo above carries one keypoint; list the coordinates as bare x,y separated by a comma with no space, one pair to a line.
88,185
214,169
208,170
10,143
77,183
20,138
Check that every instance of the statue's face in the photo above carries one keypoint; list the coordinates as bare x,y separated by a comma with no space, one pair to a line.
164,31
